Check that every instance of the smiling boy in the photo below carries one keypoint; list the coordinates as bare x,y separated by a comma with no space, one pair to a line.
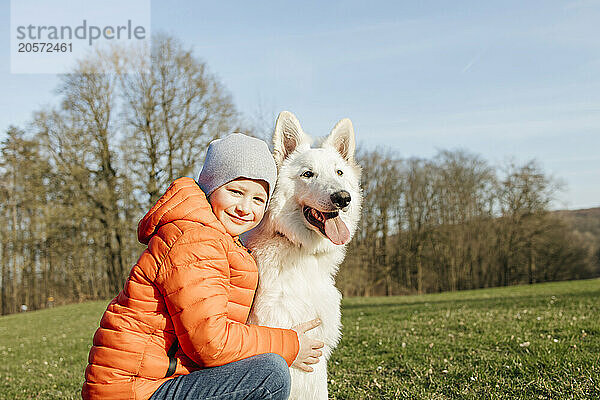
178,328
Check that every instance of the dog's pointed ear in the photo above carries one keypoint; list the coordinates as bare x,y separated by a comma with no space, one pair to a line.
342,139
287,137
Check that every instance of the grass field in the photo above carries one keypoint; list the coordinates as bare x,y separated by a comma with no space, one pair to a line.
524,342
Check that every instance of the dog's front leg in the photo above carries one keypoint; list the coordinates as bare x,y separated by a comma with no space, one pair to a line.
309,385
320,380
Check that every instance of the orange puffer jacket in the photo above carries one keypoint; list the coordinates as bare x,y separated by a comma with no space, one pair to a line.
194,283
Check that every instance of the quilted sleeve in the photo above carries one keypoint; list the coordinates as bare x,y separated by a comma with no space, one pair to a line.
194,280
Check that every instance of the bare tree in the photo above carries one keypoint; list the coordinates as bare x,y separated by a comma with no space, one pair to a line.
24,203
172,110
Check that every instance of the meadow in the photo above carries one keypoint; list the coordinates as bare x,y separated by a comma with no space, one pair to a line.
522,342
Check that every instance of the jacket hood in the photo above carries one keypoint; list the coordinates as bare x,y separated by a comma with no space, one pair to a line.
183,200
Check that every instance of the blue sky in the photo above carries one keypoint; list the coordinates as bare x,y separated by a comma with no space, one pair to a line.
500,79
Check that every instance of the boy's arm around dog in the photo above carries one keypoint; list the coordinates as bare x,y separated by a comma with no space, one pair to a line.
197,295
208,283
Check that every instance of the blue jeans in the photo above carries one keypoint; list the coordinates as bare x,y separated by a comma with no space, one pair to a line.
264,376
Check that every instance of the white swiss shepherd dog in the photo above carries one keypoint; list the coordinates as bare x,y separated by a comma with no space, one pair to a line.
301,240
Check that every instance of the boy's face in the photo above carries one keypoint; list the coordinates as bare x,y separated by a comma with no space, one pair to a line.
239,204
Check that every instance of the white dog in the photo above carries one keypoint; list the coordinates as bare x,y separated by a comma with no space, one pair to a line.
301,241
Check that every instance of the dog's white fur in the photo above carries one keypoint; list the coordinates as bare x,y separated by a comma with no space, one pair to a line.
297,263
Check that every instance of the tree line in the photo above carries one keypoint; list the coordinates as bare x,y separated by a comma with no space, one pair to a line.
74,183
76,180
455,222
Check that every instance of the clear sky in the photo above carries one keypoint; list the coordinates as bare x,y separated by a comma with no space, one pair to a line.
501,79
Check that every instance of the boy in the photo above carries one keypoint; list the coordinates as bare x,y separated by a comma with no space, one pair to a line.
177,330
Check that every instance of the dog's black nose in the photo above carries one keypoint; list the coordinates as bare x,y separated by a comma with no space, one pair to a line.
341,199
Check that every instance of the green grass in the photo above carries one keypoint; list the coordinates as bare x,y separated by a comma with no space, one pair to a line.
526,342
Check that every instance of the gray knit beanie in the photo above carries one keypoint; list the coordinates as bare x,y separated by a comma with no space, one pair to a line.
237,156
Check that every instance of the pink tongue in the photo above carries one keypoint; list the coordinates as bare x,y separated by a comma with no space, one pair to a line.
336,230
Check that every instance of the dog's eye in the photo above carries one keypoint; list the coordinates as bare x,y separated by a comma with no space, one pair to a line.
340,172
308,174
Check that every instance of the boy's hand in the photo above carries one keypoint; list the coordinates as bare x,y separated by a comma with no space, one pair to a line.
308,353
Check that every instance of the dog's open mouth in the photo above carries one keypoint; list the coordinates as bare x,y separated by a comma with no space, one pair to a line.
328,223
